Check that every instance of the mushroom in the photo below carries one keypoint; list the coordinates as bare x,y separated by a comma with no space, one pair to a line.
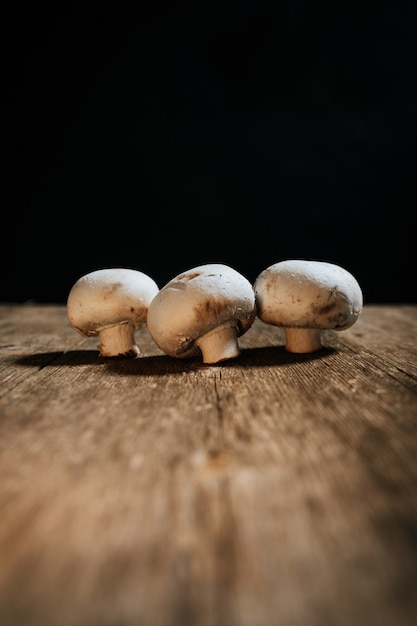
306,297
203,311
111,303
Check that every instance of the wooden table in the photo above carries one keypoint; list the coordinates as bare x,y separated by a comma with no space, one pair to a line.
271,490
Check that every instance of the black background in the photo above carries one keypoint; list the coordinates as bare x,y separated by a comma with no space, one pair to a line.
180,134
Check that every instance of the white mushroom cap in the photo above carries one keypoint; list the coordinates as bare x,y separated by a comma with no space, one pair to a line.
202,310
305,297
111,303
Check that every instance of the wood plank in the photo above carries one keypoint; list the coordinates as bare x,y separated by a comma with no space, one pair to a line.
272,489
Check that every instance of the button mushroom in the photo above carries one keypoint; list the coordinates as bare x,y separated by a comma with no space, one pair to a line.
203,310
306,297
111,303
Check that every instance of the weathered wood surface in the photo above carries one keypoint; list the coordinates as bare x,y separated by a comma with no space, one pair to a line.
271,490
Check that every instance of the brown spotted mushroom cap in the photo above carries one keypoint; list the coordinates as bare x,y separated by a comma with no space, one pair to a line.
308,296
202,311
111,303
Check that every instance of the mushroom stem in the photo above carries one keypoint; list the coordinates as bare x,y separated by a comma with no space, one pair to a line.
302,339
118,340
219,344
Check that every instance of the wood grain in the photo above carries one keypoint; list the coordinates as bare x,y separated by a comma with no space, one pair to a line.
273,489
